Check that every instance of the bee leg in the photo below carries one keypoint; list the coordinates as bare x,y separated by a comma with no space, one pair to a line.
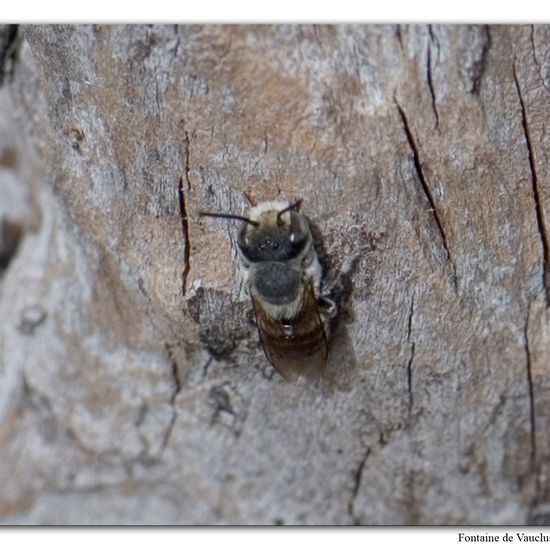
335,280
327,305
243,275
328,284
250,317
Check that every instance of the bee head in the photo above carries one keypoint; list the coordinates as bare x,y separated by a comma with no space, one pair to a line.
281,233
273,232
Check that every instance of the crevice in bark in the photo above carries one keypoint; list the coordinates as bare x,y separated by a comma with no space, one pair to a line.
429,76
229,408
205,367
176,389
357,477
409,377
185,235
187,143
431,87
479,65
9,43
536,195
483,60
399,37
530,387
220,401
178,42
426,189
409,322
183,214
411,357
11,234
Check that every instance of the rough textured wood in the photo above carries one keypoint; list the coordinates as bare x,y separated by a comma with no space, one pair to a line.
132,386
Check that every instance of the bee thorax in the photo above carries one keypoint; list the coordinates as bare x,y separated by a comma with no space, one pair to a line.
277,283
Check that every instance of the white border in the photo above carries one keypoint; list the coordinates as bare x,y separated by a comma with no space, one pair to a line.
248,11
350,538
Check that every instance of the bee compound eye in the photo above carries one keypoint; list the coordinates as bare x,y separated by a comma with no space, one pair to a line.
293,237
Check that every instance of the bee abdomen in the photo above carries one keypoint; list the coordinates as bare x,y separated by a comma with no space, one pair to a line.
290,344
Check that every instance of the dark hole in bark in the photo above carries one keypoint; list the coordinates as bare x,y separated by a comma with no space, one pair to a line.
10,236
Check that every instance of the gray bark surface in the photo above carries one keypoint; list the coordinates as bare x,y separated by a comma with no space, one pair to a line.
133,388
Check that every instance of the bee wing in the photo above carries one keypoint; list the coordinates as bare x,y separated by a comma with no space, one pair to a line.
299,348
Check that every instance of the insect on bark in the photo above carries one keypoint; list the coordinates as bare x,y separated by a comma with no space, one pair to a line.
283,278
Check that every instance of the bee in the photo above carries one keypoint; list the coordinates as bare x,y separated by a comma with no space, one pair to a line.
283,278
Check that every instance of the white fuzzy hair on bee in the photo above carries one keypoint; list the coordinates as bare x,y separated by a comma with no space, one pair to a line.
283,277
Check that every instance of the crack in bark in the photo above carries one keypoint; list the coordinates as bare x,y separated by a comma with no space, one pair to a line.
483,60
175,374
478,64
411,358
226,402
530,388
409,322
187,160
431,87
185,235
205,368
357,477
409,377
183,215
11,235
429,77
426,189
157,99
9,43
398,34
178,42
177,385
536,194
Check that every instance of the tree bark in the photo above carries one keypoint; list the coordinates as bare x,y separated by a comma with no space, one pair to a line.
133,387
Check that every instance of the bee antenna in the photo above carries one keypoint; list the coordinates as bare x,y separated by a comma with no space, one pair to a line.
230,217
294,206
